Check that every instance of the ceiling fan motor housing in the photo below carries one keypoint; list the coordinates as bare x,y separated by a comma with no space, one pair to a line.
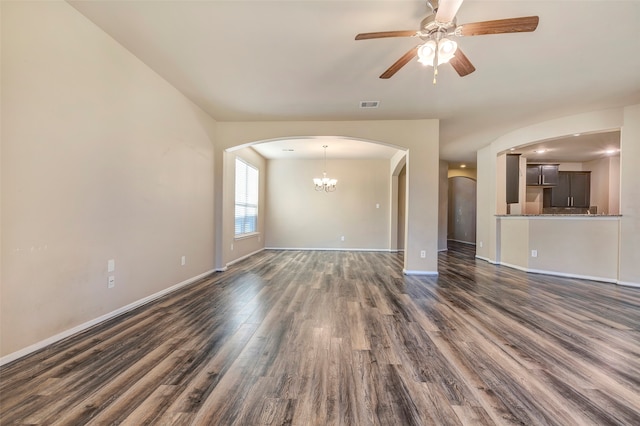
430,27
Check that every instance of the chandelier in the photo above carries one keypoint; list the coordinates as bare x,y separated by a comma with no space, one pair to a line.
325,184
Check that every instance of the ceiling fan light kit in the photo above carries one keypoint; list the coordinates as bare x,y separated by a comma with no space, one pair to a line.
437,31
440,51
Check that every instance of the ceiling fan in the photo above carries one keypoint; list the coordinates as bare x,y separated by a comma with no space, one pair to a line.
437,32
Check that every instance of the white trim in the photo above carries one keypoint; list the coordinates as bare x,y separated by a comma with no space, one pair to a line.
628,284
330,249
241,258
444,249
247,235
486,259
67,333
221,269
409,272
509,265
560,274
463,242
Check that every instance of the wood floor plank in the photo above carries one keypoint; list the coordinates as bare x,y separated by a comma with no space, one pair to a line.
344,338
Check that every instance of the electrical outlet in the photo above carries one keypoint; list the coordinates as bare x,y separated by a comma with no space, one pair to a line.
423,254
534,253
342,238
183,260
112,281
377,205
480,244
231,247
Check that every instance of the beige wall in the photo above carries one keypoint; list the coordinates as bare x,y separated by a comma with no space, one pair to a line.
443,206
402,200
630,197
574,246
486,232
299,217
625,118
239,248
101,159
514,242
418,137
614,185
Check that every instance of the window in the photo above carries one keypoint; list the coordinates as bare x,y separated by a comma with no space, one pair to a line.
246,214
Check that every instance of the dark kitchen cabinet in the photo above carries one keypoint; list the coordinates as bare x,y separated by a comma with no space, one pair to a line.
573,190
513,178
542,174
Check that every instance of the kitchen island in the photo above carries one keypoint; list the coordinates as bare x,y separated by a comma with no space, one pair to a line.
573,245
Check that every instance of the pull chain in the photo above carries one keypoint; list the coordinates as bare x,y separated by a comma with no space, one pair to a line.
435,63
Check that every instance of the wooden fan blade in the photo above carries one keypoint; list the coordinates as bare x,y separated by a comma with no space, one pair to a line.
501,26
384,34
461,64
400,63
447,10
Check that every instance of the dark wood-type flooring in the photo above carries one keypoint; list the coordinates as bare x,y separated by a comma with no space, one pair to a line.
324,338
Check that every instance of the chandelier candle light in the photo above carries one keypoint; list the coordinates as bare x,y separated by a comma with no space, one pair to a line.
325,184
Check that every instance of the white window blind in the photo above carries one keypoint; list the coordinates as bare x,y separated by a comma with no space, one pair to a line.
246,214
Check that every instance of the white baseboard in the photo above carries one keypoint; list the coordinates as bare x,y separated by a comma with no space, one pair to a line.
628,284
509,265
560,274
463,242
410,272
239,259
486,259
330,249
67,333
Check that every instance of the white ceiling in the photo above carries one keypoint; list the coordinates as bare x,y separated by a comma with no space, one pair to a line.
574,148
297,60
313,148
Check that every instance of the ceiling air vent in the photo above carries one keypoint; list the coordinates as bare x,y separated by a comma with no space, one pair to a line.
369,104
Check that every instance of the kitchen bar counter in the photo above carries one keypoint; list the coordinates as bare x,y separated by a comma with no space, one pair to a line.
574,245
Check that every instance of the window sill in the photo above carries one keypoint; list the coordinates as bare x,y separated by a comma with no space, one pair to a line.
245,236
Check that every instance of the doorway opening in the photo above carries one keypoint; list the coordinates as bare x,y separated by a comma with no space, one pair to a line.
461,223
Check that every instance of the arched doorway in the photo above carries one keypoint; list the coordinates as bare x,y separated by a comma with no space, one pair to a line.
360,215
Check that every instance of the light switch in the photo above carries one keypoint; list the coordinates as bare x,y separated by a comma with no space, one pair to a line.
111,265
